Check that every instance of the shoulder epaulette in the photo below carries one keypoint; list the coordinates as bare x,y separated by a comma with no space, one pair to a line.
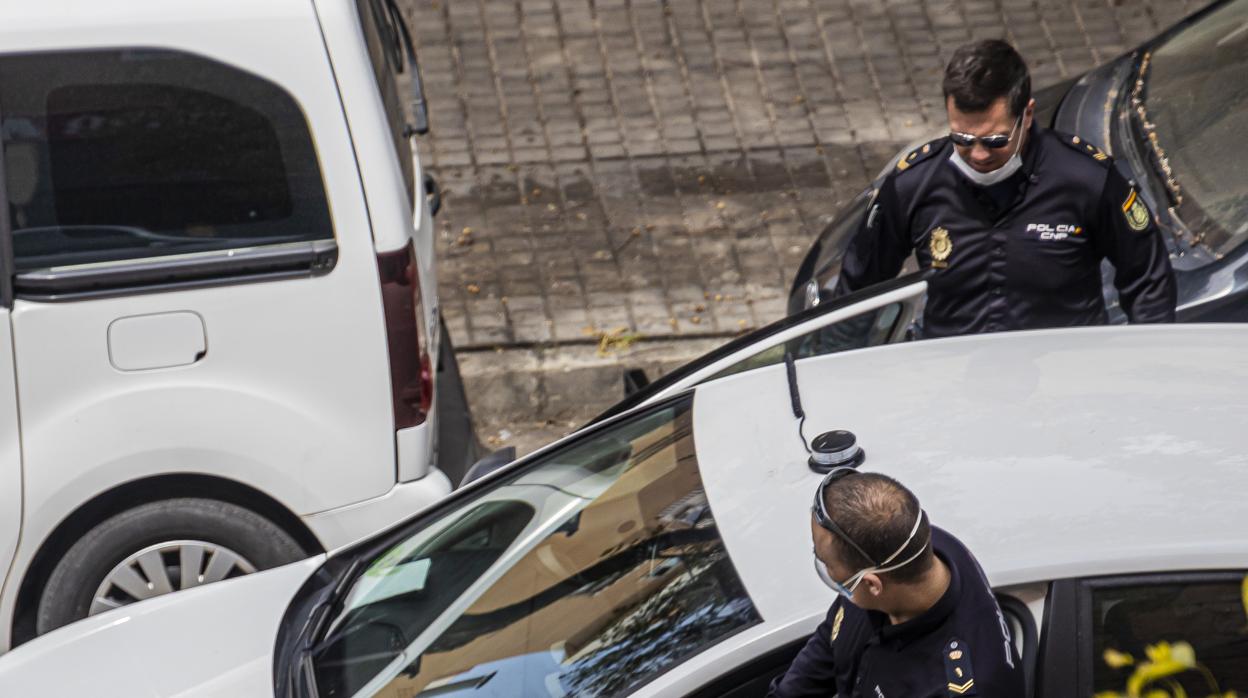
920,154
958,669
1083,146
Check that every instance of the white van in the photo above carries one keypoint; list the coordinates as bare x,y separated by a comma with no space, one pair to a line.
220,345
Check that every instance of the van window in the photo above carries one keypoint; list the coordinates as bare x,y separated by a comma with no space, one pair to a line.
129,154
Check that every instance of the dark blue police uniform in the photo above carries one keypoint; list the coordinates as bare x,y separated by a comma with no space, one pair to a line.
961,646
1021,254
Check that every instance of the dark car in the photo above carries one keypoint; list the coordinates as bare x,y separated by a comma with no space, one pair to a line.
1172,114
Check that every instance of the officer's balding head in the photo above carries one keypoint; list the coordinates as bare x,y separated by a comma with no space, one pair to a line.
878,514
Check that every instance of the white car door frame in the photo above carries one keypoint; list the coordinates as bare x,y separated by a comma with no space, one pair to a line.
10,432
909,291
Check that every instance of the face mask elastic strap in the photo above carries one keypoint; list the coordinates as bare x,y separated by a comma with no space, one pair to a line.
885,567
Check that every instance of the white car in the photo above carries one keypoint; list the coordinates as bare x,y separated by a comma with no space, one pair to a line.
665,551
219,337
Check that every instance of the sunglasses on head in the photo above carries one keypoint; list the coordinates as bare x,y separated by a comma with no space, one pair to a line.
993,142
820,510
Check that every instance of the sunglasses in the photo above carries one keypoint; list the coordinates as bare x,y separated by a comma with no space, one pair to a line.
820,511
993,142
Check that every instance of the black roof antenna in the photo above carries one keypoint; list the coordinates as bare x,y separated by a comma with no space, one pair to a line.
831,449
795,397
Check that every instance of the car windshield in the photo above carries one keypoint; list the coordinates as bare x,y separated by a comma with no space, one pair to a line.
1197,100
589,573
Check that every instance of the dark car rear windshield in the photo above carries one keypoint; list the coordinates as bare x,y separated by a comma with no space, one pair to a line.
590,573
1197,97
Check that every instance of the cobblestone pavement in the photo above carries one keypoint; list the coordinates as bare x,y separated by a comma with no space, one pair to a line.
658,167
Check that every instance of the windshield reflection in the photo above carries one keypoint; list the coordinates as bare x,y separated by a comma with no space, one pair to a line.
588,574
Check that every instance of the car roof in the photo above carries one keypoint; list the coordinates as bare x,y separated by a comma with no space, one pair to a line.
69,14
1051,454
234,31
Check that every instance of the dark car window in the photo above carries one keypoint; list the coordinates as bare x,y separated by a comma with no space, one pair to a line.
126,154
869,329
385,52
1161,634
1197,100
589,573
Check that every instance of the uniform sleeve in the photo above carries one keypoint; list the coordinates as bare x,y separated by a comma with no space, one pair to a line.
988,665
879,247
813,671
997,678
1128,237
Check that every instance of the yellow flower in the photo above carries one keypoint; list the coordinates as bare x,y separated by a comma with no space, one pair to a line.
1164,660
1243,593
1117,660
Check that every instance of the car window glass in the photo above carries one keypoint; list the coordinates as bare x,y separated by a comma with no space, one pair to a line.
125,154
1180,637
588,574
1195,96
385,52
869,329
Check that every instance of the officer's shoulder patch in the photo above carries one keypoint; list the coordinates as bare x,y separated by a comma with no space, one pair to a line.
923,152
958,669
1083,146
1136,211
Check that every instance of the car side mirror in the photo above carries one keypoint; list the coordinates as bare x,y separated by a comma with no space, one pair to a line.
489,464
634,380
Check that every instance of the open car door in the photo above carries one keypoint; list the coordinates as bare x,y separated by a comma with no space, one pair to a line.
10,439
881,314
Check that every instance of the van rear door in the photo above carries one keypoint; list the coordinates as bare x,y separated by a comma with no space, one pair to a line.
374,63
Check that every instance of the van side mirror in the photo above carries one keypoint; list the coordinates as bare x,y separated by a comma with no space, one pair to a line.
489,464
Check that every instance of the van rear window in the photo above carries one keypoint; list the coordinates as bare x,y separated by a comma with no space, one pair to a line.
127,154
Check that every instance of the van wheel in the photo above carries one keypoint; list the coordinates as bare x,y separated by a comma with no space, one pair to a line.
159,548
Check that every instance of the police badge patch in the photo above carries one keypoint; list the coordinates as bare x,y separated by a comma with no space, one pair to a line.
1136,212
941,247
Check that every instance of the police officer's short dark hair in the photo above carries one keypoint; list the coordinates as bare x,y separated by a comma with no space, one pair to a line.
984,71
878,513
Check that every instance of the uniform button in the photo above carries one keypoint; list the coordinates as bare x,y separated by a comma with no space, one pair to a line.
998,252
996,291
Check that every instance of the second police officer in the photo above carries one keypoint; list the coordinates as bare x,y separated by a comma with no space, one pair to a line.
1013,219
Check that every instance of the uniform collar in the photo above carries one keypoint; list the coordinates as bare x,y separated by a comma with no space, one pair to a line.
1031,149
926,622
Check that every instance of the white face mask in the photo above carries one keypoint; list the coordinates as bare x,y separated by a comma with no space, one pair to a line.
987,179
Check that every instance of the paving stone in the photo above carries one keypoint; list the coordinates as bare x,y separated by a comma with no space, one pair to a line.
626,164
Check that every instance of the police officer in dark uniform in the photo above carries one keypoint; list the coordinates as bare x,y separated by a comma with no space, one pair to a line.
1013,218
915,616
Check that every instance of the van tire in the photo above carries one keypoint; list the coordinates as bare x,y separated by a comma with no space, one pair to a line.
71,587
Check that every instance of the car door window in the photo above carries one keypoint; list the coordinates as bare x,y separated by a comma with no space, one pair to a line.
135,153
870,328
874,315
1180,635
590,573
